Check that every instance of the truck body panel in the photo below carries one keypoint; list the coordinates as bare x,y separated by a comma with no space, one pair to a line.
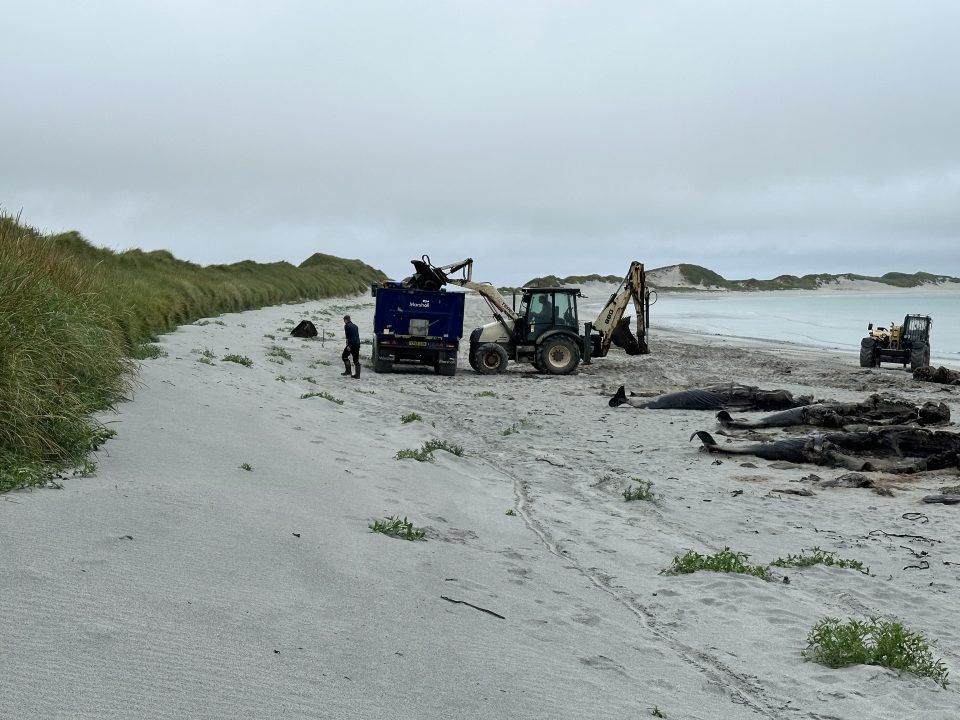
414,326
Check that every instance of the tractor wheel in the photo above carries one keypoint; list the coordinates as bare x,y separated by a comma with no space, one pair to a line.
919,355
558,356
490,359
868,352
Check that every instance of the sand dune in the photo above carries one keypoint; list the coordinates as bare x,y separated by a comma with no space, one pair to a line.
176,584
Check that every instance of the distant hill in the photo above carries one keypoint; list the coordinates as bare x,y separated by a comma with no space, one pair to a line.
695,277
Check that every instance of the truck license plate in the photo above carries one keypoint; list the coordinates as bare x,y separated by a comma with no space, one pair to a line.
417,343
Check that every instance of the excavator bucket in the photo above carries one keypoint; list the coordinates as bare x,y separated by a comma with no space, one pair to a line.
426,277
624,338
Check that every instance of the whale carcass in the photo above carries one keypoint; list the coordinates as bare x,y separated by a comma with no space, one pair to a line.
875,410
895,449
728,396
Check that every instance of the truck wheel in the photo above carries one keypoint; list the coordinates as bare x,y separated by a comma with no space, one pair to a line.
868,352
919,355
448,368
490,359
558,356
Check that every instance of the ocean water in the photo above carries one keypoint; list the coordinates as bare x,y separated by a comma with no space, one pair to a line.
835,320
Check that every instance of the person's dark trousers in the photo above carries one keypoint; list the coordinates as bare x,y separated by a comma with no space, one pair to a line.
347,352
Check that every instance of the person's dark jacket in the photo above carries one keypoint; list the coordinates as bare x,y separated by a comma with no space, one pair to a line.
352,334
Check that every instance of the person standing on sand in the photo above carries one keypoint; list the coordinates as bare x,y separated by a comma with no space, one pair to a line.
352,334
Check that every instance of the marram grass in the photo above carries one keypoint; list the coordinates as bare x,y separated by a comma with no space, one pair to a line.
73,317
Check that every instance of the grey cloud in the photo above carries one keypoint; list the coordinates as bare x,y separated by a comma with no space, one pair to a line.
756,138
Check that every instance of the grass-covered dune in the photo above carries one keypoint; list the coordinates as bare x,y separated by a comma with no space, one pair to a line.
696,277
72,316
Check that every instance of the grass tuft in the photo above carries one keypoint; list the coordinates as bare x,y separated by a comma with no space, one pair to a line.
817,556
425,453
322,394
148,351
397,528
246,466
485,393
278,352
727,561
886,643
239,359
643,490
411,417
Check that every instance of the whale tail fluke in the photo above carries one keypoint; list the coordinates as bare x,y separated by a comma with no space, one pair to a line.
620,398
706,438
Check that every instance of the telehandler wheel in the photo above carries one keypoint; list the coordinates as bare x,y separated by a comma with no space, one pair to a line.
868,352
919,355
490,359
558,356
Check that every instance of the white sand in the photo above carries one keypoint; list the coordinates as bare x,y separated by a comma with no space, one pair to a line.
212,608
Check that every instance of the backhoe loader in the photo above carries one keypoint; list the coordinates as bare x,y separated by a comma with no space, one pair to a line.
545,328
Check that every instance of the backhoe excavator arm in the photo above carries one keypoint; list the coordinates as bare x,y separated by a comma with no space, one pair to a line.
488,292
611,324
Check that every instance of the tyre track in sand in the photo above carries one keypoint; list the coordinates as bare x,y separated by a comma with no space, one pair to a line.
742,690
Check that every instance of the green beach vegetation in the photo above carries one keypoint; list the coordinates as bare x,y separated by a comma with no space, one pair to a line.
74,316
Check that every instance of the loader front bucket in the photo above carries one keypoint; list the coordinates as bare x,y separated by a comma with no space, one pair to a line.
624,338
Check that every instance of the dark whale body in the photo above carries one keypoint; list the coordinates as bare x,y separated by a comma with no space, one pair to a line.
717,397
896,449
876,410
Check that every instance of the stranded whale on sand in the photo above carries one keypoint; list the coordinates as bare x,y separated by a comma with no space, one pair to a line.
895,449
875,410
729,396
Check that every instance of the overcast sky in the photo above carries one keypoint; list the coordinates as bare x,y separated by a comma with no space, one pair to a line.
756,138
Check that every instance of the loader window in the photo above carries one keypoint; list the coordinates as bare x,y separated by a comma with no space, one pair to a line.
541,309
566,313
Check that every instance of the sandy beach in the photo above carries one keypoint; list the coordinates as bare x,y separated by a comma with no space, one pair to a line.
175,584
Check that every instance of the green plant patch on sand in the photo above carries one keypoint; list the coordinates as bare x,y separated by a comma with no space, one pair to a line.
238,359
148,351
425,453
397,528
817,556
642,490
322,394
837,643
725,561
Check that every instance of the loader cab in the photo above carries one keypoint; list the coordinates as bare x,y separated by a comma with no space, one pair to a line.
916,328
544,309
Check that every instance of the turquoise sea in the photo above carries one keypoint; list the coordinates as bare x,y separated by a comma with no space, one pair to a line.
831,320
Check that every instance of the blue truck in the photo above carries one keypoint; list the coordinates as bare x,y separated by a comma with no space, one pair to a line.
416,327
